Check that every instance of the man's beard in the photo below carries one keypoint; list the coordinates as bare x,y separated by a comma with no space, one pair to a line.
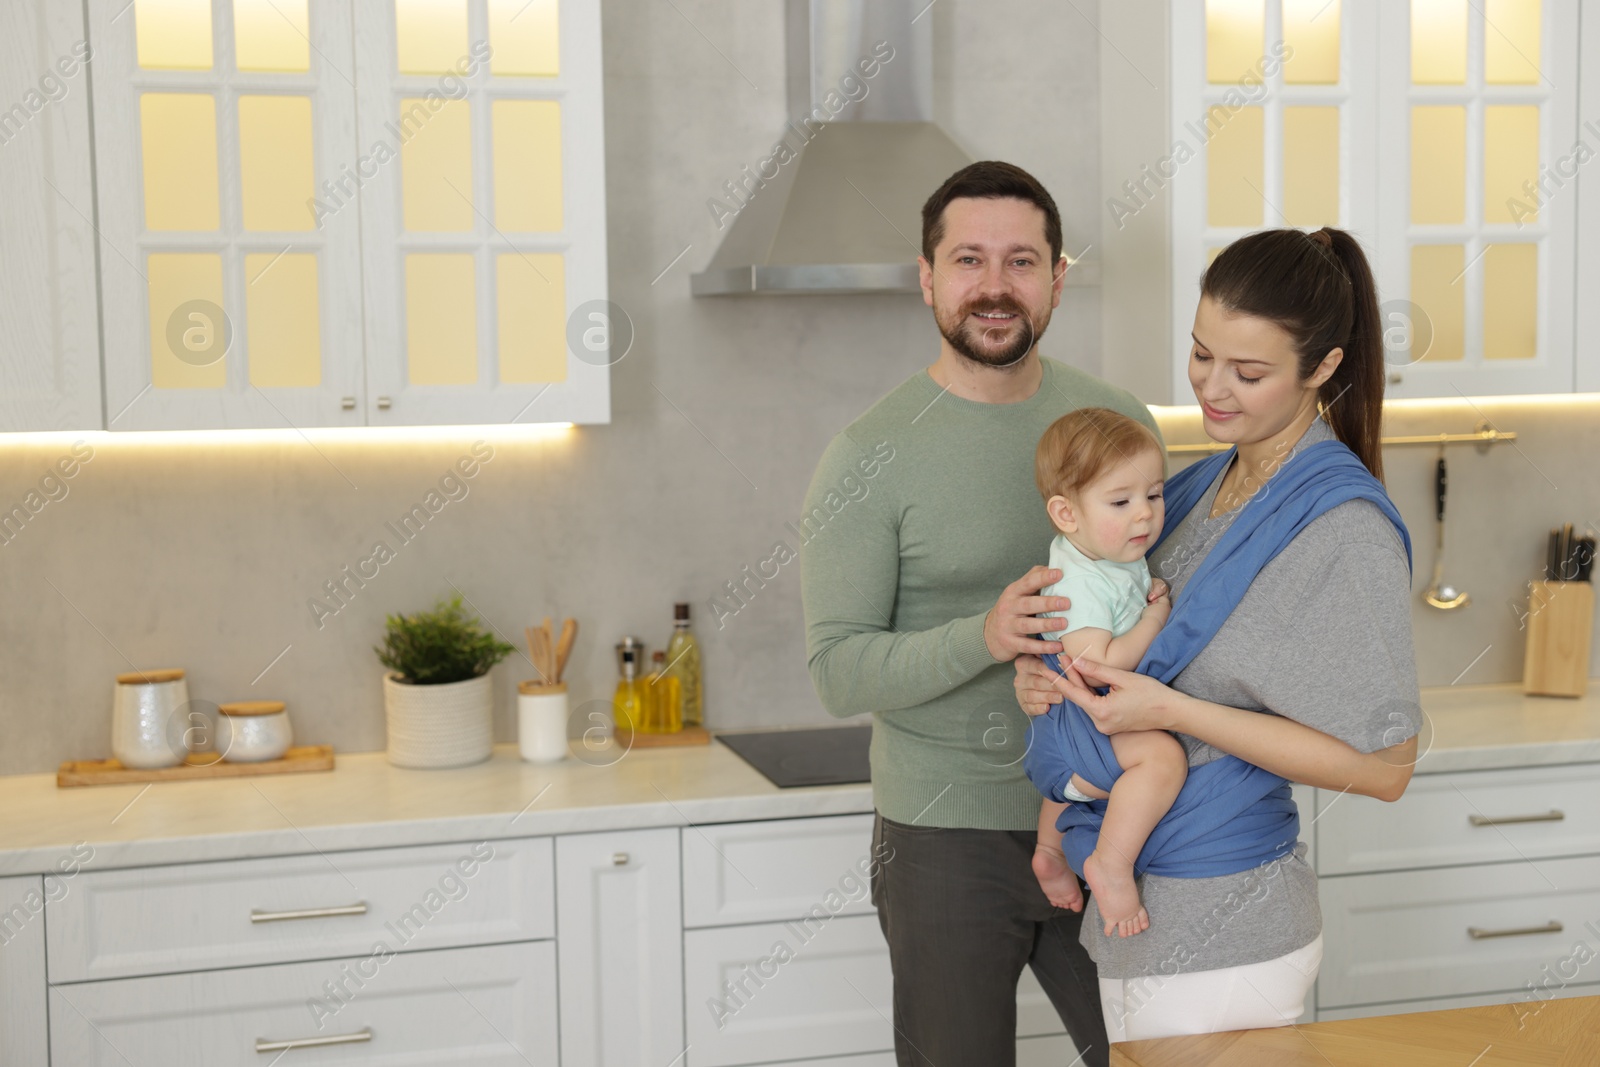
965,337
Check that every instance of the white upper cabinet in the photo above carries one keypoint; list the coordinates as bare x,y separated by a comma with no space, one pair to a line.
227,301
1587,188
1476,228
484,214
358,212
1442,133
49,343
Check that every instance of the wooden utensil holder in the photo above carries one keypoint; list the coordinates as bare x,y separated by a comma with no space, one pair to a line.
1560,628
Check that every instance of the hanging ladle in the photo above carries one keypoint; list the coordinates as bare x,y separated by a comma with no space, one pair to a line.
1441,596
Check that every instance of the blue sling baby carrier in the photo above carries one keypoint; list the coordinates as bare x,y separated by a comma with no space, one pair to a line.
1231,816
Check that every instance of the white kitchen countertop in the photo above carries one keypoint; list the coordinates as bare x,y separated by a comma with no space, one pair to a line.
1484,727
365,803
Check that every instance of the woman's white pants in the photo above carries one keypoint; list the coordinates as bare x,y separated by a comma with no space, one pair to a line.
1257,995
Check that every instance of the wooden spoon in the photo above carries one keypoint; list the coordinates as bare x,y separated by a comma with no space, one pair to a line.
569,633
539,653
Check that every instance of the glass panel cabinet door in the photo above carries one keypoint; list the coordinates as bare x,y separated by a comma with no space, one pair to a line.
1273,113
225,136
1478,209
1442,133
483,211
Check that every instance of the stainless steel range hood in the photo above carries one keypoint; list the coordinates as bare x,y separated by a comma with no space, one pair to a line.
835,205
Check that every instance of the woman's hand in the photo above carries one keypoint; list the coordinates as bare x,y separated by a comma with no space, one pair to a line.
1135,701
1035,692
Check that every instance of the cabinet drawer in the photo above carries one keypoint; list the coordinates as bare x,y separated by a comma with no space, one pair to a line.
161,920
745,1004
1406,935
1053,1051
782,869
754,994
870,1059
1459,819
1522,1003
493,1006
1035,1014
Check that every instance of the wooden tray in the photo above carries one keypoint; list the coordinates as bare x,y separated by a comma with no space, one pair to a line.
689,735
111,772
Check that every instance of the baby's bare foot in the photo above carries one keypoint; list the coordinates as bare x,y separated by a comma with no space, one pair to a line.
1113,886
1060,885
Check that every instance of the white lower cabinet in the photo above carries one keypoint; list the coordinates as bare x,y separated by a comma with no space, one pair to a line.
1475,888
619,927
1490,928
24,1038
493,1006
787,990
784,960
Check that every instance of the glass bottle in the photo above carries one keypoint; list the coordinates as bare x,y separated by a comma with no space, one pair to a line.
663,698
683,654
628,705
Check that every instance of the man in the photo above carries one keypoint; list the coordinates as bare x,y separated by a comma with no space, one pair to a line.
920,512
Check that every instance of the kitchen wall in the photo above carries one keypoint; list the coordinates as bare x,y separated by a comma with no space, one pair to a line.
1502,501
208,551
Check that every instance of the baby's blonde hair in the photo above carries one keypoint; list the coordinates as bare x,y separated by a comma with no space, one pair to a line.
1082,445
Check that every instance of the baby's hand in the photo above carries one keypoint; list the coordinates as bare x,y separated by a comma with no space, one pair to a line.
1159,603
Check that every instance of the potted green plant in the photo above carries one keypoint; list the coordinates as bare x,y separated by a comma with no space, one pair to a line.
437,696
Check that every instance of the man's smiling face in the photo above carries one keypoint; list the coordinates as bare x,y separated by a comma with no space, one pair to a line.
992,284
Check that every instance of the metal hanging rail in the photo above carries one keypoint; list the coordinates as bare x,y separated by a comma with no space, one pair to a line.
1483,437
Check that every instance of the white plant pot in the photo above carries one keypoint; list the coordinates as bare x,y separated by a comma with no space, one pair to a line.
434,726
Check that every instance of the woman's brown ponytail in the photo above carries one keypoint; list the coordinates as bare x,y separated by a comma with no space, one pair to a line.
1317,288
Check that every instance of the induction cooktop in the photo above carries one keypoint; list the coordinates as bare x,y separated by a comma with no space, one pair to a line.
823,755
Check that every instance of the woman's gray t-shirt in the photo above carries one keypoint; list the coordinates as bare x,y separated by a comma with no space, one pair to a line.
1323,637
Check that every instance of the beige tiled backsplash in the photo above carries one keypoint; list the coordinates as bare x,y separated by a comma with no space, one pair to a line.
219,558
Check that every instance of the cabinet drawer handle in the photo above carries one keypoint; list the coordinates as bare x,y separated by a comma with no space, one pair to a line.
1504,820
358,908
1477,933
263,1045
619,858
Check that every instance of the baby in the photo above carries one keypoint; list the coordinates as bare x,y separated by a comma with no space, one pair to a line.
1101,474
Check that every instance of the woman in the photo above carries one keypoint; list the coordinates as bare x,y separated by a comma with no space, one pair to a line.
1286,363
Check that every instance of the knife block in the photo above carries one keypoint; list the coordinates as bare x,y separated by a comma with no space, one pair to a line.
1560,627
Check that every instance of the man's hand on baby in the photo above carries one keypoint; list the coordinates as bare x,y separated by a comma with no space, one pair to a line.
1013,625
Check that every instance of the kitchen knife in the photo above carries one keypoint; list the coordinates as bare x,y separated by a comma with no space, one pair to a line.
1550,549
1567,572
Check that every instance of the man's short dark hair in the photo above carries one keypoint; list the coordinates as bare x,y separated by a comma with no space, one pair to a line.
989,180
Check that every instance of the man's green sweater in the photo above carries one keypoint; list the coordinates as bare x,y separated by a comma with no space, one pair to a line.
921,512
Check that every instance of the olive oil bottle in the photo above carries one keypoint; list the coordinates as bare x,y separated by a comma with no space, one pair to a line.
683,659
663,698
628,705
